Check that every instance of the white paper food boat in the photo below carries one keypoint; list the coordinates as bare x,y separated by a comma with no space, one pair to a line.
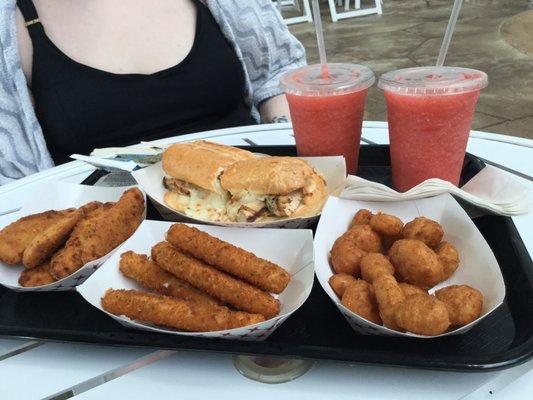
58,196
150,179
291,249
478,266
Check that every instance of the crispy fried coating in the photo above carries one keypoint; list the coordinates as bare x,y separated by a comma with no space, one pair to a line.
229,258
346,256
464,303
374,265
449,258
175,313
220,285
361,217
339,282
388,295
15,237
139,268
37,276
50,239
99,233
409,290
428,231
386,224
387,242
365,238
359,297
423,314
416,263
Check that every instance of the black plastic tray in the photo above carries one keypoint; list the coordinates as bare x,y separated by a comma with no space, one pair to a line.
317,330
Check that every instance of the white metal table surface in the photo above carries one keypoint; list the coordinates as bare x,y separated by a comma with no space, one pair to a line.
36,370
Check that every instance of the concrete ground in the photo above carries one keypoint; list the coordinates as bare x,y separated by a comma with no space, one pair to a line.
495,36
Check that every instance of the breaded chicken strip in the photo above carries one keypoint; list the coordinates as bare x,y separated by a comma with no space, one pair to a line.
229,258
139,268
98,234
15,237
36,276
175,313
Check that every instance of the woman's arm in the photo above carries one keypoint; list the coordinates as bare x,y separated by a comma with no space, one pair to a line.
275,109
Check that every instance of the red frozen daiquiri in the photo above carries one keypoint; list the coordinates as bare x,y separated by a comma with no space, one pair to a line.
430,112
327,112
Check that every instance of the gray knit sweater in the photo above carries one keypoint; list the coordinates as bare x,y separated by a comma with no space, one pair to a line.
260,38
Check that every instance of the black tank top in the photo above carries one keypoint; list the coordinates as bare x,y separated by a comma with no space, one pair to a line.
81,108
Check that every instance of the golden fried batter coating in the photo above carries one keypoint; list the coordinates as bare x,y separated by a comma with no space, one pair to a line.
359,297
175,313
423,314
365,238
339,282
229,258
50,239
220,285
139,268
464,303
387,242
99,233
449,258
361,217
416,263
409,290
386,224
346,256
428,231
15,237
374,265
37,276
388,295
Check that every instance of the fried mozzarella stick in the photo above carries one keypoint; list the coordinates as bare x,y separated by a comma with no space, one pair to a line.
37,276
175,313
239,294
228,258
139,268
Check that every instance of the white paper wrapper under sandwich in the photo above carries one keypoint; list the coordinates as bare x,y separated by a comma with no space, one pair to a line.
150,179
59,196
291,249
478,266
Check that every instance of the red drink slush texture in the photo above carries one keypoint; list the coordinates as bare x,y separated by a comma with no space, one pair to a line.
326,125
428,135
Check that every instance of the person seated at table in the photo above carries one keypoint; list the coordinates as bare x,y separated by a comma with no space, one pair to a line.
82,74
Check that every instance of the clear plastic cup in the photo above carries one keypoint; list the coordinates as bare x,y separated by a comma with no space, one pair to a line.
327,113
430,111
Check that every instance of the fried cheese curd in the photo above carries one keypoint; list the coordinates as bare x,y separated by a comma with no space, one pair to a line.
359,297
464,303
423,314
424,229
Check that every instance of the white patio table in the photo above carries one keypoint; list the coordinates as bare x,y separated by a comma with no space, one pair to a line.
39,370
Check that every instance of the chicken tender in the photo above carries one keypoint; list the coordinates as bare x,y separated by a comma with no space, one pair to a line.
449,258
423,314
361,217
365,238
99,233
416,263
359,297
374,265
220,285
339,282
464,303
15,237
428,231
386,224
37,276
409,290
139,268
229,258
49,240
175,313
346,256
388,296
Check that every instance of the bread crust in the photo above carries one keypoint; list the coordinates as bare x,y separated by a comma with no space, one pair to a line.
201,162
